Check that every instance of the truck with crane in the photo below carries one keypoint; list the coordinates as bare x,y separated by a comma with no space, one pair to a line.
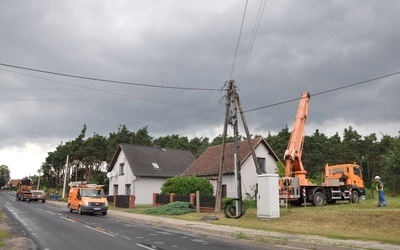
25,188
342,182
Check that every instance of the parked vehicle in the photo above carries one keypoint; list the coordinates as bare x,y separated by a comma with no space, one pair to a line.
342,182
87,198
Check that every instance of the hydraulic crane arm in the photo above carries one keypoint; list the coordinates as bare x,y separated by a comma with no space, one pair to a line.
293,164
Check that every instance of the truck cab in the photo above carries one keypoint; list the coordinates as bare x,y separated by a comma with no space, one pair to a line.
87,198
347,174
347,177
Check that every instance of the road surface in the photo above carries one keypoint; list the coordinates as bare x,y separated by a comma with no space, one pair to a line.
51,227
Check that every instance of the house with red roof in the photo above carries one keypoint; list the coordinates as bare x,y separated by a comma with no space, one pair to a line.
12,183
207,165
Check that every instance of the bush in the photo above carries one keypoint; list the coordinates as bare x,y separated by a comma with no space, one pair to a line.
187,185
247,203
175,208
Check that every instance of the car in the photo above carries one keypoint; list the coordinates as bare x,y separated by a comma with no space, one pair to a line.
37,195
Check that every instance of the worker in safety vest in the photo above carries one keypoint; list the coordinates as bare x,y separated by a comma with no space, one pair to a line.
381,193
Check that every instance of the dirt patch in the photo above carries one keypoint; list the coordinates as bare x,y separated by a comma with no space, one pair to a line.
11,242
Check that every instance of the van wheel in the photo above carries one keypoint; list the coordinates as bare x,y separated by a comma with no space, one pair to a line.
43,201
69,208
79,210
104,213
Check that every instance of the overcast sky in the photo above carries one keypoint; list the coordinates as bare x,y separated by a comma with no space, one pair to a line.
296,46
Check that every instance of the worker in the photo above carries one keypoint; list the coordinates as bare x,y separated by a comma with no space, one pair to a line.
381,193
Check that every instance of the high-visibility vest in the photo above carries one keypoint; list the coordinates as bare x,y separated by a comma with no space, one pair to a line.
379,184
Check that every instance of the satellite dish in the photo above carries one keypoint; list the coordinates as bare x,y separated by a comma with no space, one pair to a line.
109,175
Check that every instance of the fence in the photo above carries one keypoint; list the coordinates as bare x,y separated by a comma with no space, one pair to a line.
207,202
124,201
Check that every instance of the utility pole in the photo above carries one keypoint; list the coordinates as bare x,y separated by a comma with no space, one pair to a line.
236,160
222,159
66,175
233,98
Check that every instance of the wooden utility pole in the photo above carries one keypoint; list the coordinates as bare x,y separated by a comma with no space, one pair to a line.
246,129
222,159
233,98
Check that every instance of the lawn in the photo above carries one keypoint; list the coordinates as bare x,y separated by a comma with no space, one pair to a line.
361,221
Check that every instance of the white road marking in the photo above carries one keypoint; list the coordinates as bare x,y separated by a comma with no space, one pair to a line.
140,245
100,231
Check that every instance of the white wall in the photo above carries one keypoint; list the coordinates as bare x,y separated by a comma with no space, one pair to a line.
248,174
142,187
145,187
120,180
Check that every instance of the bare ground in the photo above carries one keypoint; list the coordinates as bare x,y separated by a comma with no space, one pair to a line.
11,242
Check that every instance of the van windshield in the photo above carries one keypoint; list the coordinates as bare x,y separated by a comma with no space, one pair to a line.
99,193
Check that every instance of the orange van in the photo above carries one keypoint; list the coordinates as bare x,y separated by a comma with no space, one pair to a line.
87,198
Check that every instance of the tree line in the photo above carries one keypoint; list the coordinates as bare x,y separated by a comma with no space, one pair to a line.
88,156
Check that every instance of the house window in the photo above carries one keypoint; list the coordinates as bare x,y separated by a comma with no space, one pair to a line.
155,165
121,168
128,189
115,189
261,162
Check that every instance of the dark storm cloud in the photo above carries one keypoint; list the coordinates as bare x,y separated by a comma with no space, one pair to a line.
300,46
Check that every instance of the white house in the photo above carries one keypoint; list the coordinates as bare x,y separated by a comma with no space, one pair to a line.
141,170
207,165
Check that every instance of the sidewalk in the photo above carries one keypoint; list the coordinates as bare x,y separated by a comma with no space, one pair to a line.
270,238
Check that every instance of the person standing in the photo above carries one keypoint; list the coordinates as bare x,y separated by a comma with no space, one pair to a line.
381,193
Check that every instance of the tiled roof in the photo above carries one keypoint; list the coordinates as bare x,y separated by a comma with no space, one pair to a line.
171,162
14,182
208,163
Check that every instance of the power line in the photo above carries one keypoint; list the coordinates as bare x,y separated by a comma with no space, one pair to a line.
325,92
106,80
238,42
252,39
100,90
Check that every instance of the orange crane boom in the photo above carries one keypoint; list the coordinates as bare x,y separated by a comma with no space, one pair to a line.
293,164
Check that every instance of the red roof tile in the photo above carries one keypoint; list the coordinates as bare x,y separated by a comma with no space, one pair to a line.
14,182
208,163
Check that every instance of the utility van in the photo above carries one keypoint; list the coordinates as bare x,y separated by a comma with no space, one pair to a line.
87,198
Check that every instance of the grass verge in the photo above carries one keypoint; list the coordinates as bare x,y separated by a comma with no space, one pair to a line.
361,221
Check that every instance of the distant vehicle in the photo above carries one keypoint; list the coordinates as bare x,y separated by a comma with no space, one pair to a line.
87,198
25,188
37,195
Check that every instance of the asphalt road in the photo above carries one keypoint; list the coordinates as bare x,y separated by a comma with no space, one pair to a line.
51,227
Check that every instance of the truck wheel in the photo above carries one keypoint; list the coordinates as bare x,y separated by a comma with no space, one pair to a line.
43,201
355,197
104,213
79,210
319,199
28,200
69,208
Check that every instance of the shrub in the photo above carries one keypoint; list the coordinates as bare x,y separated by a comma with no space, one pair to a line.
175,208
187,185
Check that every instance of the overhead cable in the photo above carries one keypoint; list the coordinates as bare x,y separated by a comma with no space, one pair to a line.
325,92
106,80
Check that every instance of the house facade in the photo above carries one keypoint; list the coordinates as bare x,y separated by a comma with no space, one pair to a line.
142,170
207,165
